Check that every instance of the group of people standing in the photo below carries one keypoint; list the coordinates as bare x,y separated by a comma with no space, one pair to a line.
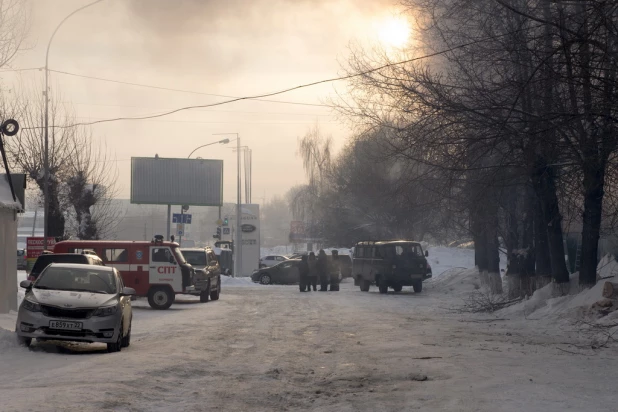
322,269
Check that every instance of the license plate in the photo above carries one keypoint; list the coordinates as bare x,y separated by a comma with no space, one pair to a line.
60,324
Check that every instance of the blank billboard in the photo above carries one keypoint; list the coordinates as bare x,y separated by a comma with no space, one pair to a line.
196,182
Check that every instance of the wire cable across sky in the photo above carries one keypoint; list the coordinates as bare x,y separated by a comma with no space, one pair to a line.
264,95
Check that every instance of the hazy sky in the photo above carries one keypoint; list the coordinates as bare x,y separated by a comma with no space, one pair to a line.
227,47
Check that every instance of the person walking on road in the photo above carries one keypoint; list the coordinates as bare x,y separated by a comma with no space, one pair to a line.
334,270
323,270
312,278
303,269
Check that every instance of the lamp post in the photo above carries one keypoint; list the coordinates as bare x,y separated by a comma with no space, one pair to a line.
224,141
46,94
238,248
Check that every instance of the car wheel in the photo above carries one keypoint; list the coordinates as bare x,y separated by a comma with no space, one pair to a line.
265,279
160,298
205,294
418,287
126,341
215,295
365,285
382,286
397,288
116,346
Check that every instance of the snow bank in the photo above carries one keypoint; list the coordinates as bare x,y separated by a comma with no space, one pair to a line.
442,259
230,281
8,340
546,302
456,281
6,196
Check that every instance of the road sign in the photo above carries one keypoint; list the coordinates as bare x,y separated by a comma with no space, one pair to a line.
180,229
180,218
226,230
219,222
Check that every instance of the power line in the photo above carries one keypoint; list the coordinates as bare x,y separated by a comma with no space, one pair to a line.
302,86
181,90
21,70
171,121
204,111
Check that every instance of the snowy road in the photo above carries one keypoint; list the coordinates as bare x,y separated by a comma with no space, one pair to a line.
271,348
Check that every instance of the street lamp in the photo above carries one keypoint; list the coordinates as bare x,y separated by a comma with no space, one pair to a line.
238,248
46,94
224,141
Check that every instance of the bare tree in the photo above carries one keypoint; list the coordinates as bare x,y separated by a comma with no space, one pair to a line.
90,189
27,151
14,26
82,173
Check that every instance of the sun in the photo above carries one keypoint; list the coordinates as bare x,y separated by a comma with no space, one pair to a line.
394,31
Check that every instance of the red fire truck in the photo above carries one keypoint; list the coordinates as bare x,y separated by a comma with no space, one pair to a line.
155,269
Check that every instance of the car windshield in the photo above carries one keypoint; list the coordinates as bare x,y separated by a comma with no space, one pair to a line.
77,279
195,257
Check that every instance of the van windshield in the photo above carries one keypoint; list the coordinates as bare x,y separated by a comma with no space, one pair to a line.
402,250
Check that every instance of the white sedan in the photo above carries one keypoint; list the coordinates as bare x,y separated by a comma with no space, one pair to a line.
271,260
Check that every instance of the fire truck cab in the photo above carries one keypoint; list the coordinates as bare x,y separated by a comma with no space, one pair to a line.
155,269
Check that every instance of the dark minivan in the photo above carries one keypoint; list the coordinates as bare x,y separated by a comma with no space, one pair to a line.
391,264
46,259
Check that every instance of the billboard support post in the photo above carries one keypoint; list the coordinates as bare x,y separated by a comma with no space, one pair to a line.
169,220
238,251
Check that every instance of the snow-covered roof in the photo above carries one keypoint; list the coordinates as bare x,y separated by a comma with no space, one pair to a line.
6,197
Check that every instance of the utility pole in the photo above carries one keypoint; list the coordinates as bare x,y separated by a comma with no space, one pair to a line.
46,153
238,242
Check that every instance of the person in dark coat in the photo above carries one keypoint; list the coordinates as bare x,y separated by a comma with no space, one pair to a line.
312,279
303,269
334,270
323,270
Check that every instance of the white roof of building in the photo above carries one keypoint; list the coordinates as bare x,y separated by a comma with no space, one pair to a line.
6,197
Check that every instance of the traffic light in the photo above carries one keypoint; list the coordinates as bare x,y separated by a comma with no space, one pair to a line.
218,235
225,221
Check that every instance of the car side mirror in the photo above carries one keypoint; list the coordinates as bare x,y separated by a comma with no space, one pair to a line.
127,292
426,253
26,284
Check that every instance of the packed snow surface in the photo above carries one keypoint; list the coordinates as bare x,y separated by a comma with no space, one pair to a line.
269,348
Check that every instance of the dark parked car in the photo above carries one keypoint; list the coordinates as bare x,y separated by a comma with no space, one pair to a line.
46,259
283,273
22,263
391,264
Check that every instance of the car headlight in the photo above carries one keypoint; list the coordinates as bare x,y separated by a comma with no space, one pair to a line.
106,311
31,306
